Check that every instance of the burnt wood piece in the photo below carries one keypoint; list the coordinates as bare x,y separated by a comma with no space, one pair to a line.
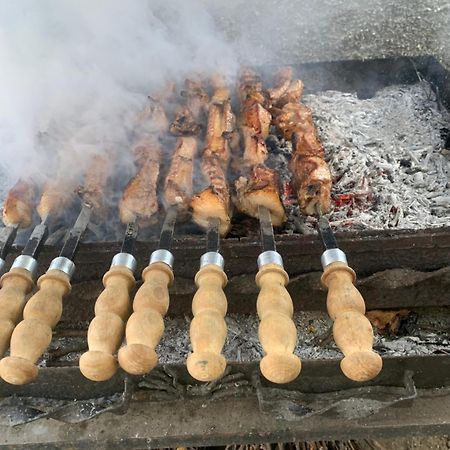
168,408
376,257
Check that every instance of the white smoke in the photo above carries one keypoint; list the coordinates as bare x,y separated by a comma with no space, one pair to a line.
74,73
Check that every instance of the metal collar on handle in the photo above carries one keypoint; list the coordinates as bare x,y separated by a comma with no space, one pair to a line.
124,259
212,258
63,264
26,262
270,257
163,256
2,263
333,255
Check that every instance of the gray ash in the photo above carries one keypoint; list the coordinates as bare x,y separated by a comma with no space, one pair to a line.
429,336
388,157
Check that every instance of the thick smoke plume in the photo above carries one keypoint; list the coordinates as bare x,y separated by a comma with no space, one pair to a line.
75,73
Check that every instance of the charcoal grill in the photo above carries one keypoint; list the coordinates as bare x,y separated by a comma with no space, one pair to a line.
396,269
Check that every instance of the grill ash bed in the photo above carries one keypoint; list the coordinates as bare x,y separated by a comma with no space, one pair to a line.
385,127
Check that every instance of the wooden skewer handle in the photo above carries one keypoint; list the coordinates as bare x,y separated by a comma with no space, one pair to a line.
208,329
145,326
15,286
107,329
277,331
352,330
33,335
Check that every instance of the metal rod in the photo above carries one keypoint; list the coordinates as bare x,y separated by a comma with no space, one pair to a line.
266,229
212,235
166,236
325,231
36,241
70,246
7,237
129,239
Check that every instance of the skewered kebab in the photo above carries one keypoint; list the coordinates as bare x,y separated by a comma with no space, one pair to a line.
352,330
214,200
17,213
146,325
211,210
138,205
258,184
33,335
18,282
258,196
311,175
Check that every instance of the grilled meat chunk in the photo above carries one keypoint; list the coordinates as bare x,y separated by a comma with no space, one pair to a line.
311,174
220,128
95,190
260,188
214,201
139,200
255,149
196,97
178,188
58,194
293,117
185,123
188,118
286,90
250,87
153,118
19,204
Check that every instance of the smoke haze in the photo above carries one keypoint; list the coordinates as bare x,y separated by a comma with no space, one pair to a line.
75,73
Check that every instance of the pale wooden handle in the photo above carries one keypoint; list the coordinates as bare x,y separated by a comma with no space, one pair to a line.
33,335
352,330
106,331
15,286
208,329
145,326
277,332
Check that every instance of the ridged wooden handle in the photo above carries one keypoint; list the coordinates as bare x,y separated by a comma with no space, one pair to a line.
33,335
277,331
145,326
208,329
352,330
15,286
106,331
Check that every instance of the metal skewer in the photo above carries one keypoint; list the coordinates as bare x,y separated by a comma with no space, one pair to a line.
112,308
7,237
277,331
352,331
145,326
33,335
16,284
208,329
